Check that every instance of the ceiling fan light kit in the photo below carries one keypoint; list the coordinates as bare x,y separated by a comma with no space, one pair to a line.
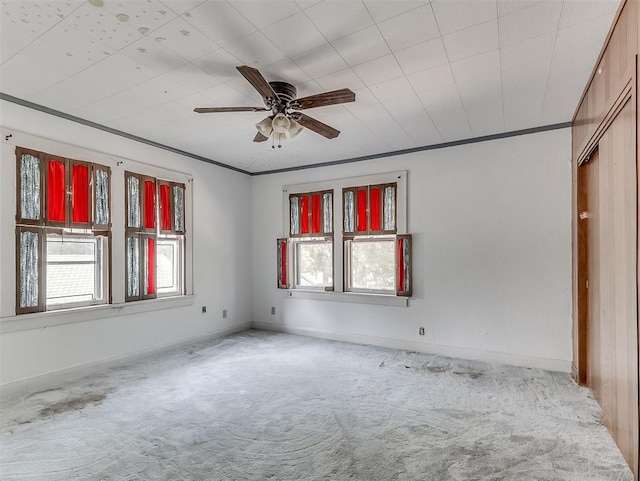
280,99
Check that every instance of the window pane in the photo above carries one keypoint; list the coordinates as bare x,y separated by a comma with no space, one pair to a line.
362,209
150,267
375,204
150,204
169,279
102,197
133,266
133,201
282,263
165,207
29,187
74,270
390,208
295,214
28,269
56,189
349,211
80,193
314,264
327,213
304,214
372,265
316,202
404,249
178,207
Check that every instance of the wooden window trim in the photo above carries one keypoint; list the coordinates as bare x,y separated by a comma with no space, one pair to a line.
41,263
48,222
310,195
143,207
70,223
19,219
184,209
408,291
93,193
368,230
127,227
143,236
172,226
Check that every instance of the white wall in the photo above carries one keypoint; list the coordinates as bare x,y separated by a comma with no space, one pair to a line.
220,237
492,254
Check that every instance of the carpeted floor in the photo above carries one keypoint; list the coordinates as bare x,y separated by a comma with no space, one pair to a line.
261,405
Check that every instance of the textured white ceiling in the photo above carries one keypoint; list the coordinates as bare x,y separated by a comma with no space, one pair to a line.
424,72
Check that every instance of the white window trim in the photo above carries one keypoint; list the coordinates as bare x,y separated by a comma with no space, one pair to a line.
104,266
39,320
339,293
295,242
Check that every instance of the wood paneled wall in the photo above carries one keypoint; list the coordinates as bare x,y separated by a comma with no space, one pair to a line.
613,71
606,168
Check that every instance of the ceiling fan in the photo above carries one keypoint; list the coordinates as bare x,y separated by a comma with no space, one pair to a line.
280,99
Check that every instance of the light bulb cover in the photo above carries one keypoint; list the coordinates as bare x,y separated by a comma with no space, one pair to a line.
280,123
264,126
294,129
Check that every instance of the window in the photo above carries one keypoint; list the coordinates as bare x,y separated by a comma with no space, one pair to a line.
311,231
62,232
373,257
154,233
76,270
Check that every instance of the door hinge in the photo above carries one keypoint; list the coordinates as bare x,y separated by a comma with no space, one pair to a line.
587,283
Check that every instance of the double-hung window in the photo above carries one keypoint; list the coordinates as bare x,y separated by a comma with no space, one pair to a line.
374,258
63,231
311,233
155,237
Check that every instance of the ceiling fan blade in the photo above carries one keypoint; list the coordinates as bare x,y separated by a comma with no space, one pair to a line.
327,98
206,110
317,126
256,79
260,138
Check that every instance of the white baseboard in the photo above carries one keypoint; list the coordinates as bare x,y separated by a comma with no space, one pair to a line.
53,378
442,350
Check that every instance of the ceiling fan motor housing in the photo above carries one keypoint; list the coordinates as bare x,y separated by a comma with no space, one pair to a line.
285,92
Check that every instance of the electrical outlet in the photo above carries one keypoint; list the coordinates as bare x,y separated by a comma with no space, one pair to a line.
224,313
421,331
273,311
204,309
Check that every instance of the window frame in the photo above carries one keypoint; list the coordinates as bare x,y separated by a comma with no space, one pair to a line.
44,226
40,306
341,292
143,233
20,151
348,272
104,268
180,240
295,251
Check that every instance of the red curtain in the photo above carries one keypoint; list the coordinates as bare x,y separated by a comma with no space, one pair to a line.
362,210
283,264
375,203
315,213
304,214
149,204
151,266
165,207
80,193
56,191
401,279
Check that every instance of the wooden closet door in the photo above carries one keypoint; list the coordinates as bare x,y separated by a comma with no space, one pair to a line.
612,316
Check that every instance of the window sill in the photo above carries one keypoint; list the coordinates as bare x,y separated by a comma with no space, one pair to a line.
355,297
41,320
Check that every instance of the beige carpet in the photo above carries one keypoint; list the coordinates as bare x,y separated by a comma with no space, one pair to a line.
260,405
